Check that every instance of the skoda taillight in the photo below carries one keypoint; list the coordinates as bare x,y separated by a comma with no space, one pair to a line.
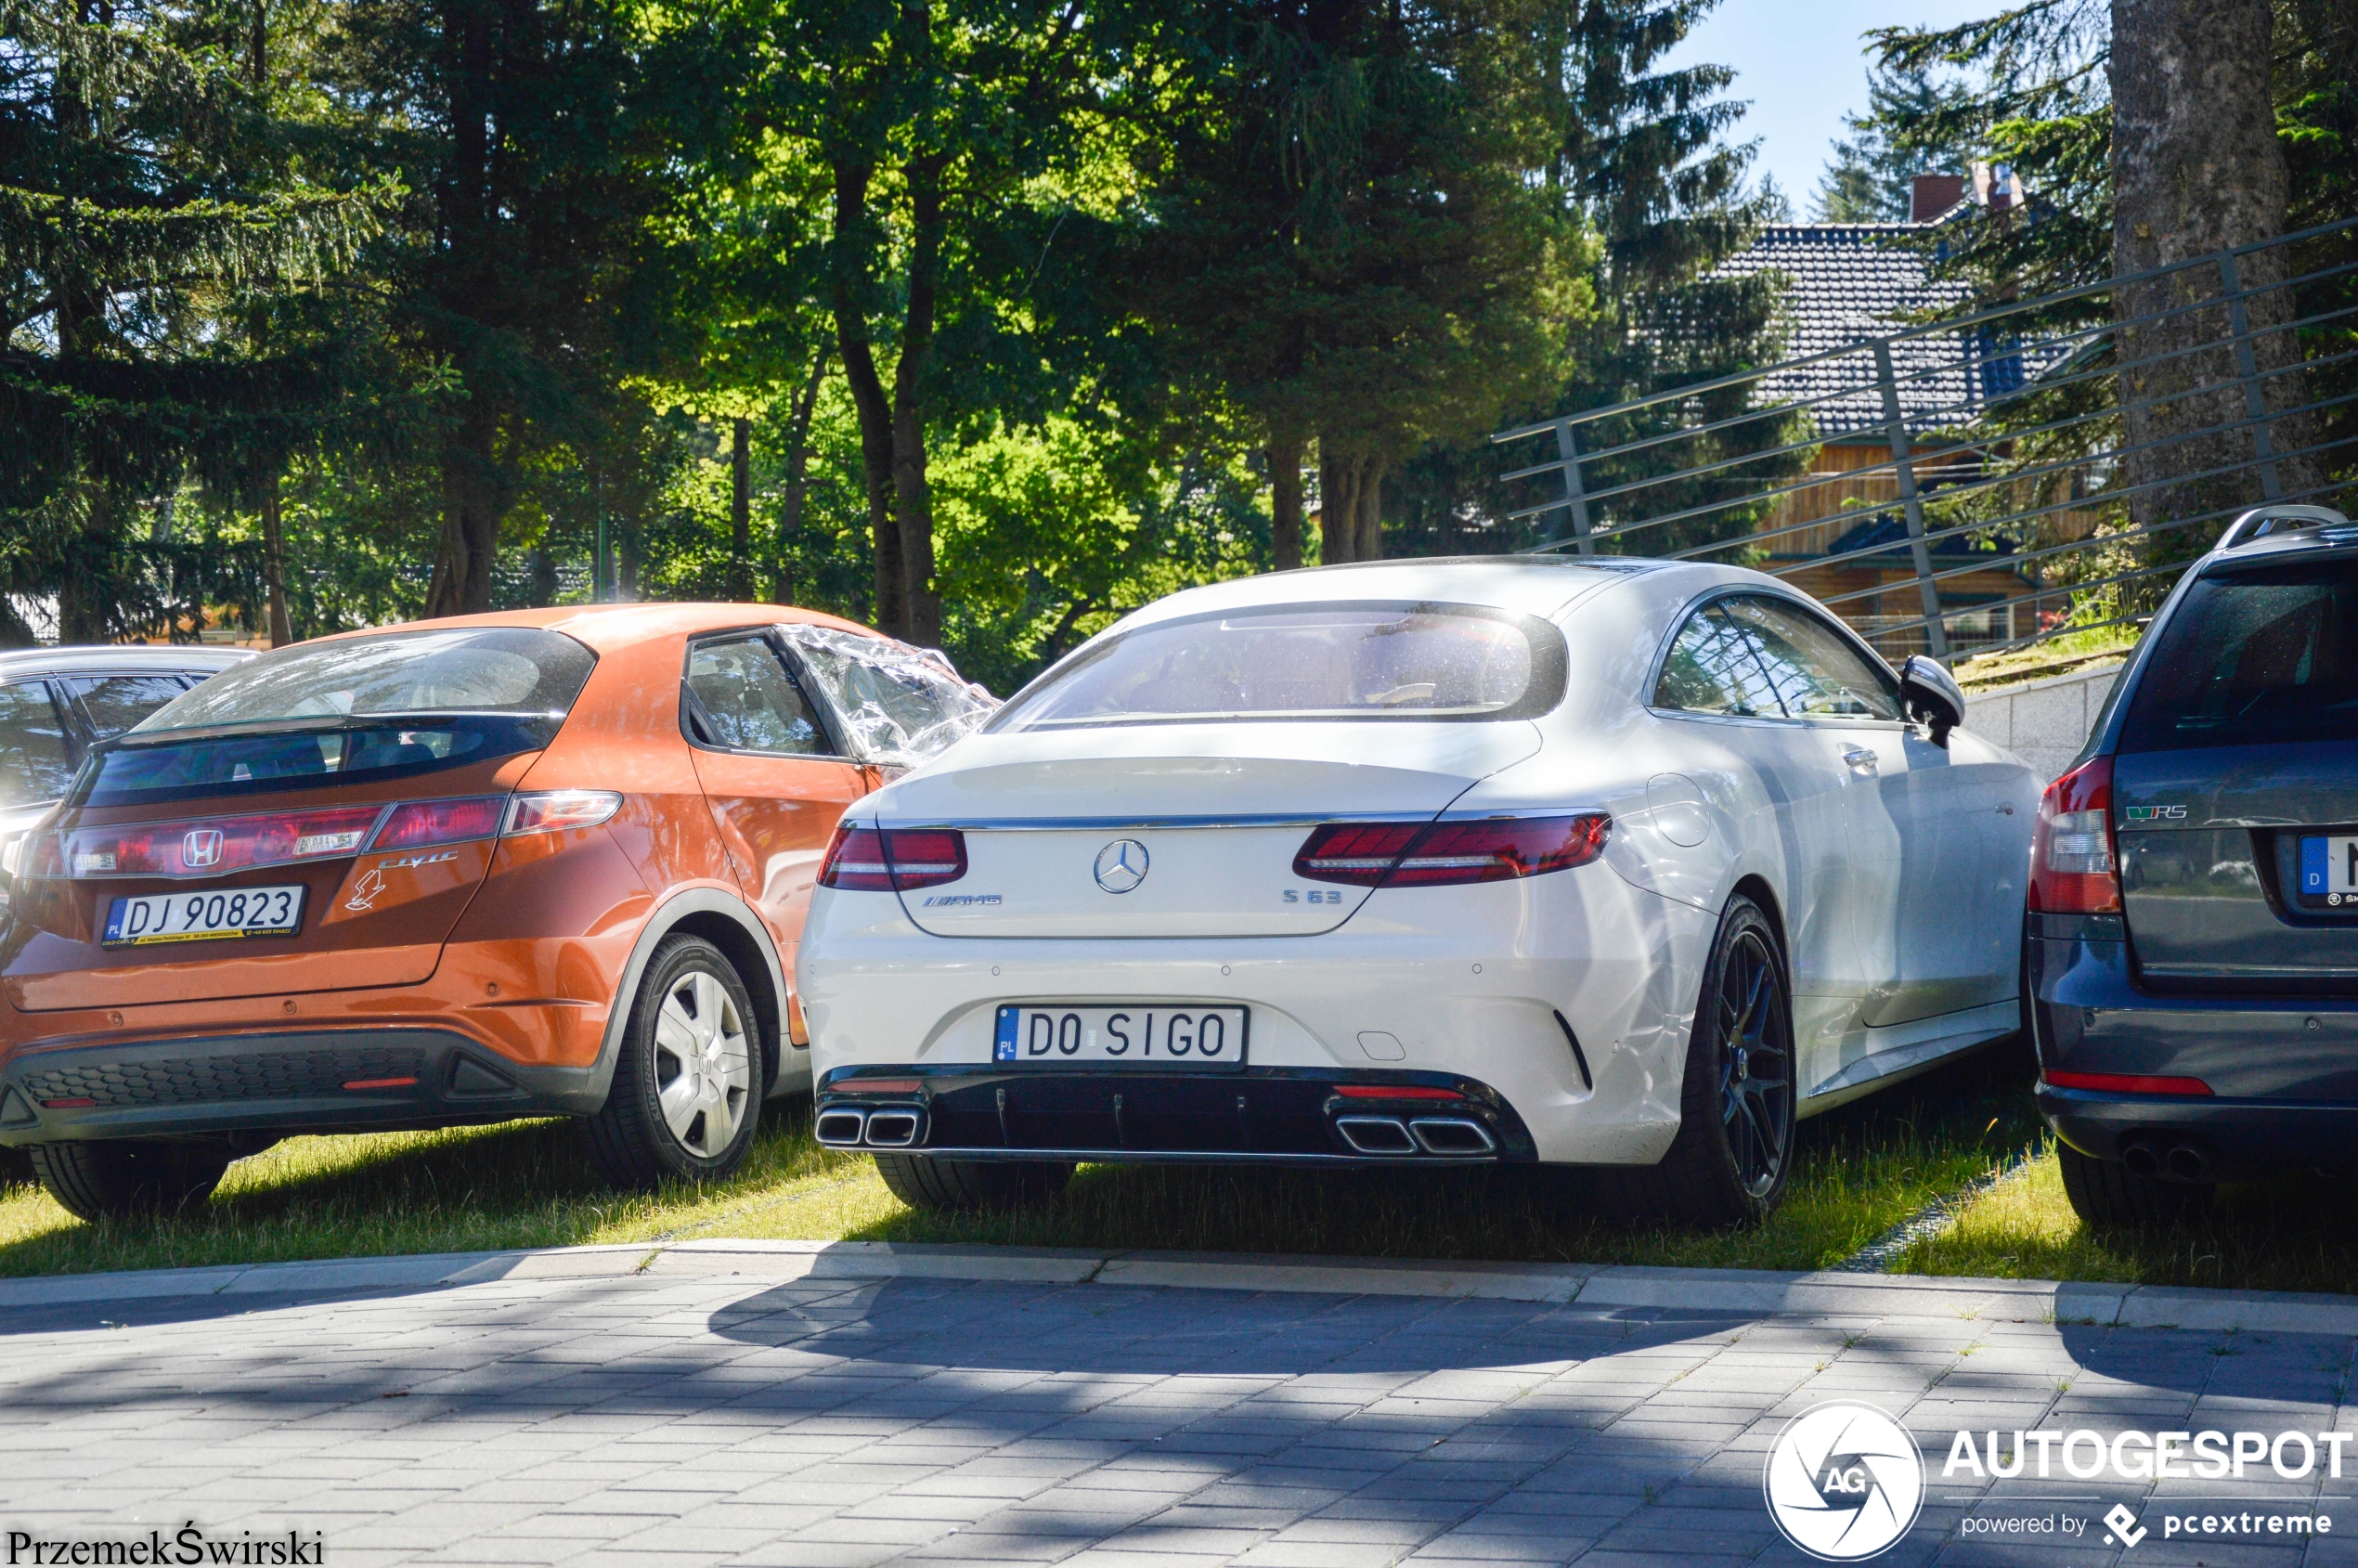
2074,864
1445,854
873,859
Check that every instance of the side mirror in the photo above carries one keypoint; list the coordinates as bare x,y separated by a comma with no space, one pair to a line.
1928,692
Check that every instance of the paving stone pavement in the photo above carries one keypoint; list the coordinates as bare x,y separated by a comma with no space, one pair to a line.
647,1421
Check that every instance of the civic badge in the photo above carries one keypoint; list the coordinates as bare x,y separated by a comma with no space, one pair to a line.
202,847
1122,865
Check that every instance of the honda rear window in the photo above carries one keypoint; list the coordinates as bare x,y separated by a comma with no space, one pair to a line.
1344,661
2251,657
469,670
304,755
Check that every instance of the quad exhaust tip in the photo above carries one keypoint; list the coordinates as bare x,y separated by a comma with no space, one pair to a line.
1376,1135
840,1129
892,1129
852,1128
1452,1134
1430,1134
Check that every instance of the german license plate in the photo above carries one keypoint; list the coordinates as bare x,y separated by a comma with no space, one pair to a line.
2329,868
206,916
1160,1035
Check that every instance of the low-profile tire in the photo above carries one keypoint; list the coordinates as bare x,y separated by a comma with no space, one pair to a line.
130,1178
2107,1196
1734,1151
971,1184
687,1081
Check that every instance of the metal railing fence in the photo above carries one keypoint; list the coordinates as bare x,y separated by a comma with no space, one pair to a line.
1998,462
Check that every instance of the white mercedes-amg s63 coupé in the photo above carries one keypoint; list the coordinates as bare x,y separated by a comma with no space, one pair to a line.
1603,862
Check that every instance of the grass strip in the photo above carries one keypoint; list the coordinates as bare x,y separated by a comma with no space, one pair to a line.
1861,1169
2291,1234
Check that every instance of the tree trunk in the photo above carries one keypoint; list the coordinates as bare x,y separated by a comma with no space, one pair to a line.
273,564
461,583
847,292
741,510
2196,168
1370,519
913,502
797,476
1285,501
85,606
1350,512
1337,505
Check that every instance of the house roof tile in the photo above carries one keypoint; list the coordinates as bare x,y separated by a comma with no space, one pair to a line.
1849,283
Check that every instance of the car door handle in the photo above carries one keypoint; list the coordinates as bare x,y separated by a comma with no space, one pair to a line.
1859,758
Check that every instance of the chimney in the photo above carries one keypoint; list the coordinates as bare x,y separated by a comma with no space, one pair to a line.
1930,195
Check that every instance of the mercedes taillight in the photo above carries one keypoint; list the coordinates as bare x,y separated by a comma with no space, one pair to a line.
1444,854
881,859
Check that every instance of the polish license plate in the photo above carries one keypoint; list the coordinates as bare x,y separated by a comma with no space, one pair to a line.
1164,1036
207,917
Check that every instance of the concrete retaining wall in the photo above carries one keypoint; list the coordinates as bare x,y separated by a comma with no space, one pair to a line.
2045,722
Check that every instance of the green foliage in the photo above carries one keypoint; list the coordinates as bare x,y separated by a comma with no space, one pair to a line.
1869,178
406,303
168,255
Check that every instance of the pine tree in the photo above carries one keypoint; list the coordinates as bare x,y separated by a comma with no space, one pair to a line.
164,253
1870,176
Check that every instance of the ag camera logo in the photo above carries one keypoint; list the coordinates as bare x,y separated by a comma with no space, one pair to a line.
1844,1482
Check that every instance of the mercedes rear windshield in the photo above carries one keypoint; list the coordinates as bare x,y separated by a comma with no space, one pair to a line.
354,710
1338,661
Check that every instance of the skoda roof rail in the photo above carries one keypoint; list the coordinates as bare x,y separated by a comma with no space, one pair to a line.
2262,521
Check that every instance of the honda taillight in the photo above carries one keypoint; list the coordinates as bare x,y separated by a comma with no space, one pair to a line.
2074,868
421,823
550,810
203,847
1441,854
872,859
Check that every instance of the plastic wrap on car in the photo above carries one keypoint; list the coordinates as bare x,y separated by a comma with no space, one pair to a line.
899,705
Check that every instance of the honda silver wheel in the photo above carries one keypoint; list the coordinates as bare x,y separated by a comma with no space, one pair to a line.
704,1062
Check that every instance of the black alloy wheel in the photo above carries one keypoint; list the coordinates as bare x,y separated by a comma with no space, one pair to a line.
1734,1149
1756,1064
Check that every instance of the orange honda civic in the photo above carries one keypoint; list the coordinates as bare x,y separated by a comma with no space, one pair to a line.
552,862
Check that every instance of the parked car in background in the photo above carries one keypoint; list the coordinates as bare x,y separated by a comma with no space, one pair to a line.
2193,935
551,861
55,702
1606,861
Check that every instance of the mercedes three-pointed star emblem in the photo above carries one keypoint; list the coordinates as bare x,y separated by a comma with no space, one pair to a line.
1122,865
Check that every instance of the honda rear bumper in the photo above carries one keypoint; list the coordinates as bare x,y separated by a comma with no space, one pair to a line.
352,1080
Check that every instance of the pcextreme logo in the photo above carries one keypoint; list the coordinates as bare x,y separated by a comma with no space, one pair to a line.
1844,1482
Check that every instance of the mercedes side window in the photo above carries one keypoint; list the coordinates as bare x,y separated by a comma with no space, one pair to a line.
114,703
1816,672
36,762
1714,668
741,698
